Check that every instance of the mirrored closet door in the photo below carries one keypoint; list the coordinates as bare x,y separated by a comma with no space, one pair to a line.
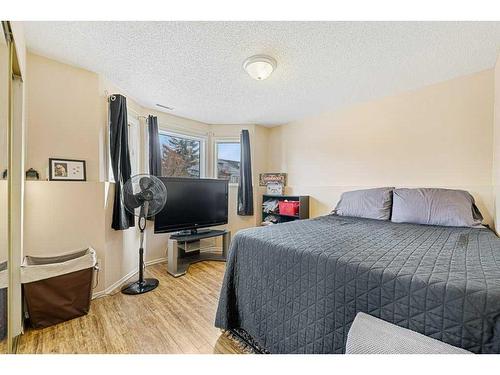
4,162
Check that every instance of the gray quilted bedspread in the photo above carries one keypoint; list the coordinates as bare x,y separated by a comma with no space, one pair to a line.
296,287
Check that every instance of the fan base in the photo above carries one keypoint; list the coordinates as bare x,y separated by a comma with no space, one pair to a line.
141,287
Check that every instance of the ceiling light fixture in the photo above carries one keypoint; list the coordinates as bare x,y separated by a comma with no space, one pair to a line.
259,67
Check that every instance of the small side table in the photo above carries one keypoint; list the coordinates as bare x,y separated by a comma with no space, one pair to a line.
184,250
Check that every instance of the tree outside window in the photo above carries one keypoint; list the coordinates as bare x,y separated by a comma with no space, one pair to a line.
180,157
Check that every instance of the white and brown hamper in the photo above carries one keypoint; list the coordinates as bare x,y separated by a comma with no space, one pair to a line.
59,288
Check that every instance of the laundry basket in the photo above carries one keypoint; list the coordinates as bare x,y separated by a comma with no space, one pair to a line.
59,288
3,300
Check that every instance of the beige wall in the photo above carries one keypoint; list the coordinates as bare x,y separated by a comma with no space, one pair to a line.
67,118
440,135
496,146
64,119
64,115
59,219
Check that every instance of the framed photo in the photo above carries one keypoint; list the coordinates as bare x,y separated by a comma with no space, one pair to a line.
274,189
67,170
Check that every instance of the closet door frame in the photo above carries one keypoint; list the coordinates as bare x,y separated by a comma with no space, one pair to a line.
16,153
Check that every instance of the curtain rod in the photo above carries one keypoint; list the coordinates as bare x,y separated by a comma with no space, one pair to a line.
112,98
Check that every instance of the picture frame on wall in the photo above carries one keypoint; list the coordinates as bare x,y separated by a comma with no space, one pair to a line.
67,170
274,188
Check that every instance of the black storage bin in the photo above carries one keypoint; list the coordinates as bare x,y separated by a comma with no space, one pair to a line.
57,289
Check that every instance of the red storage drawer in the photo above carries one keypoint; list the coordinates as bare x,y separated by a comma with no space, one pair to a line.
289,208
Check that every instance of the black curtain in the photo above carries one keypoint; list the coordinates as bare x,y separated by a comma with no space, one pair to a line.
245,189
120,158
154,146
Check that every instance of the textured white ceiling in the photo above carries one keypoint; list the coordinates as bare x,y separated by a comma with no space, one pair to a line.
196,67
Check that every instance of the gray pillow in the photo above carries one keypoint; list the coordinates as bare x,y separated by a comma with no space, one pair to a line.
447,207
369,203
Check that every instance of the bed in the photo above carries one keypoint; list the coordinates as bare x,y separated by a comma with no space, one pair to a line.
297,287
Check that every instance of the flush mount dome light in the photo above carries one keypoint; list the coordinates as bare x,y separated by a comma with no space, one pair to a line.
259,67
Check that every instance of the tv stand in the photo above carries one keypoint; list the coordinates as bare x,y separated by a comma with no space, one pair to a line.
184,249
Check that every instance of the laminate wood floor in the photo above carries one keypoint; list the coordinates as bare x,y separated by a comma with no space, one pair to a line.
177,317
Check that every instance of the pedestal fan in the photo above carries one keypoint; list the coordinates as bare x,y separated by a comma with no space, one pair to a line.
144,196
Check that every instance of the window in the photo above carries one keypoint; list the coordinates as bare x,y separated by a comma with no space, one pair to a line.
134,144
228,161
133,147
181,156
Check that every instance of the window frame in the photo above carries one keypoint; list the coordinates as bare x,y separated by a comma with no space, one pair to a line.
199,138
216,153
134,128
132,122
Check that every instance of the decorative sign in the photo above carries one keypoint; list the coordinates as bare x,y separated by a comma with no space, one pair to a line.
275,178
67,170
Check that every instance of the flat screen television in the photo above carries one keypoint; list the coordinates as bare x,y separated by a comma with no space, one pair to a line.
192,203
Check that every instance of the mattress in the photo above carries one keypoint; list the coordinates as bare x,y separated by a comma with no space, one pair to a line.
297,287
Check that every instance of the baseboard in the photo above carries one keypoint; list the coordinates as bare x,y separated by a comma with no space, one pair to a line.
109,290
99,294
155,261
117,285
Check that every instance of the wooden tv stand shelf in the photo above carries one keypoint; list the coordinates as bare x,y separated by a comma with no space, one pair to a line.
184,250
